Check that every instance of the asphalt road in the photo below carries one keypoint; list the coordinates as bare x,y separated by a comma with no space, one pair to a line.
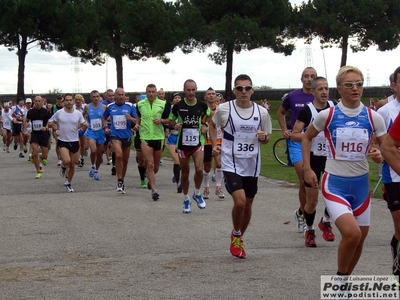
97,244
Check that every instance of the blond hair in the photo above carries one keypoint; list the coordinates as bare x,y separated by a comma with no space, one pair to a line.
347,69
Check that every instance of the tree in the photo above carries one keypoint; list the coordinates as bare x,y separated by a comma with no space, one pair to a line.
138,29
25,23
235,25
358,23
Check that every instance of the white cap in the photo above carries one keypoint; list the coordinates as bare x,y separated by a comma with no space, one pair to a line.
28,100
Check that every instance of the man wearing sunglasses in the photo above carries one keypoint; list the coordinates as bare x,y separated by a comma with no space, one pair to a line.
295,101
246,125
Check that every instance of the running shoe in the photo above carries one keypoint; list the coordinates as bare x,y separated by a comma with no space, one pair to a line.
25,149
41,169
91,172
301,225
237,246
59,163
155,195
21,155
96,175
44,161
206,193
309,236
15,146
120,187
179,188
8,149
143,183
81,162
38,175
199,200
69,188
62,171
113,171
327,232
219,192
187,206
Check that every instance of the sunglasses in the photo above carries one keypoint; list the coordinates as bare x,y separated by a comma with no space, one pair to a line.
349,85
240,88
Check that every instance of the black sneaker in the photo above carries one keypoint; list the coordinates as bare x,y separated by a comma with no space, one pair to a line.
69,188
179,188
113,171
120,187
155,195
81,162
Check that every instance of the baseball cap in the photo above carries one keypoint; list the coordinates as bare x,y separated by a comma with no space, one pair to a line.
28,100
6,104
60,96
175,94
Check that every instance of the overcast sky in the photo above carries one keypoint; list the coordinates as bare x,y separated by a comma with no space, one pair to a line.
46,71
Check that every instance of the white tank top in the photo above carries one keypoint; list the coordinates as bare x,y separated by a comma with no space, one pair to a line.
240,151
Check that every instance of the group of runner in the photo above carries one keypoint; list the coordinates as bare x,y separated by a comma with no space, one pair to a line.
328,139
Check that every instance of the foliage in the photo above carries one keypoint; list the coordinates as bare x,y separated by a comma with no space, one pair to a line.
359,23
137,29
236,26
25,23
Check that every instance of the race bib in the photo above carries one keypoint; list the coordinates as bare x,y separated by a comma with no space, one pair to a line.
351,143
245,145
190,137
37,125
95,124
120,122
319,145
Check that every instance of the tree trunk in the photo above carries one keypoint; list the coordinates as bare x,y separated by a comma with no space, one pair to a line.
22,51
120,75
345,45
228,73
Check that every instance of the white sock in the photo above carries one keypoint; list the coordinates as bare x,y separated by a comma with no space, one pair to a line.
206,178
218,177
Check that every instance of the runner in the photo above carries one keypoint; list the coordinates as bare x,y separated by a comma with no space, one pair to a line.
121,114
320,90
186,116
95,133
151,115
38,117
66,123
6,121
210,98
348,127
246,125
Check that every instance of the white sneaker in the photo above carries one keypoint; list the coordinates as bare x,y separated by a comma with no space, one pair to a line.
206,193
219,193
